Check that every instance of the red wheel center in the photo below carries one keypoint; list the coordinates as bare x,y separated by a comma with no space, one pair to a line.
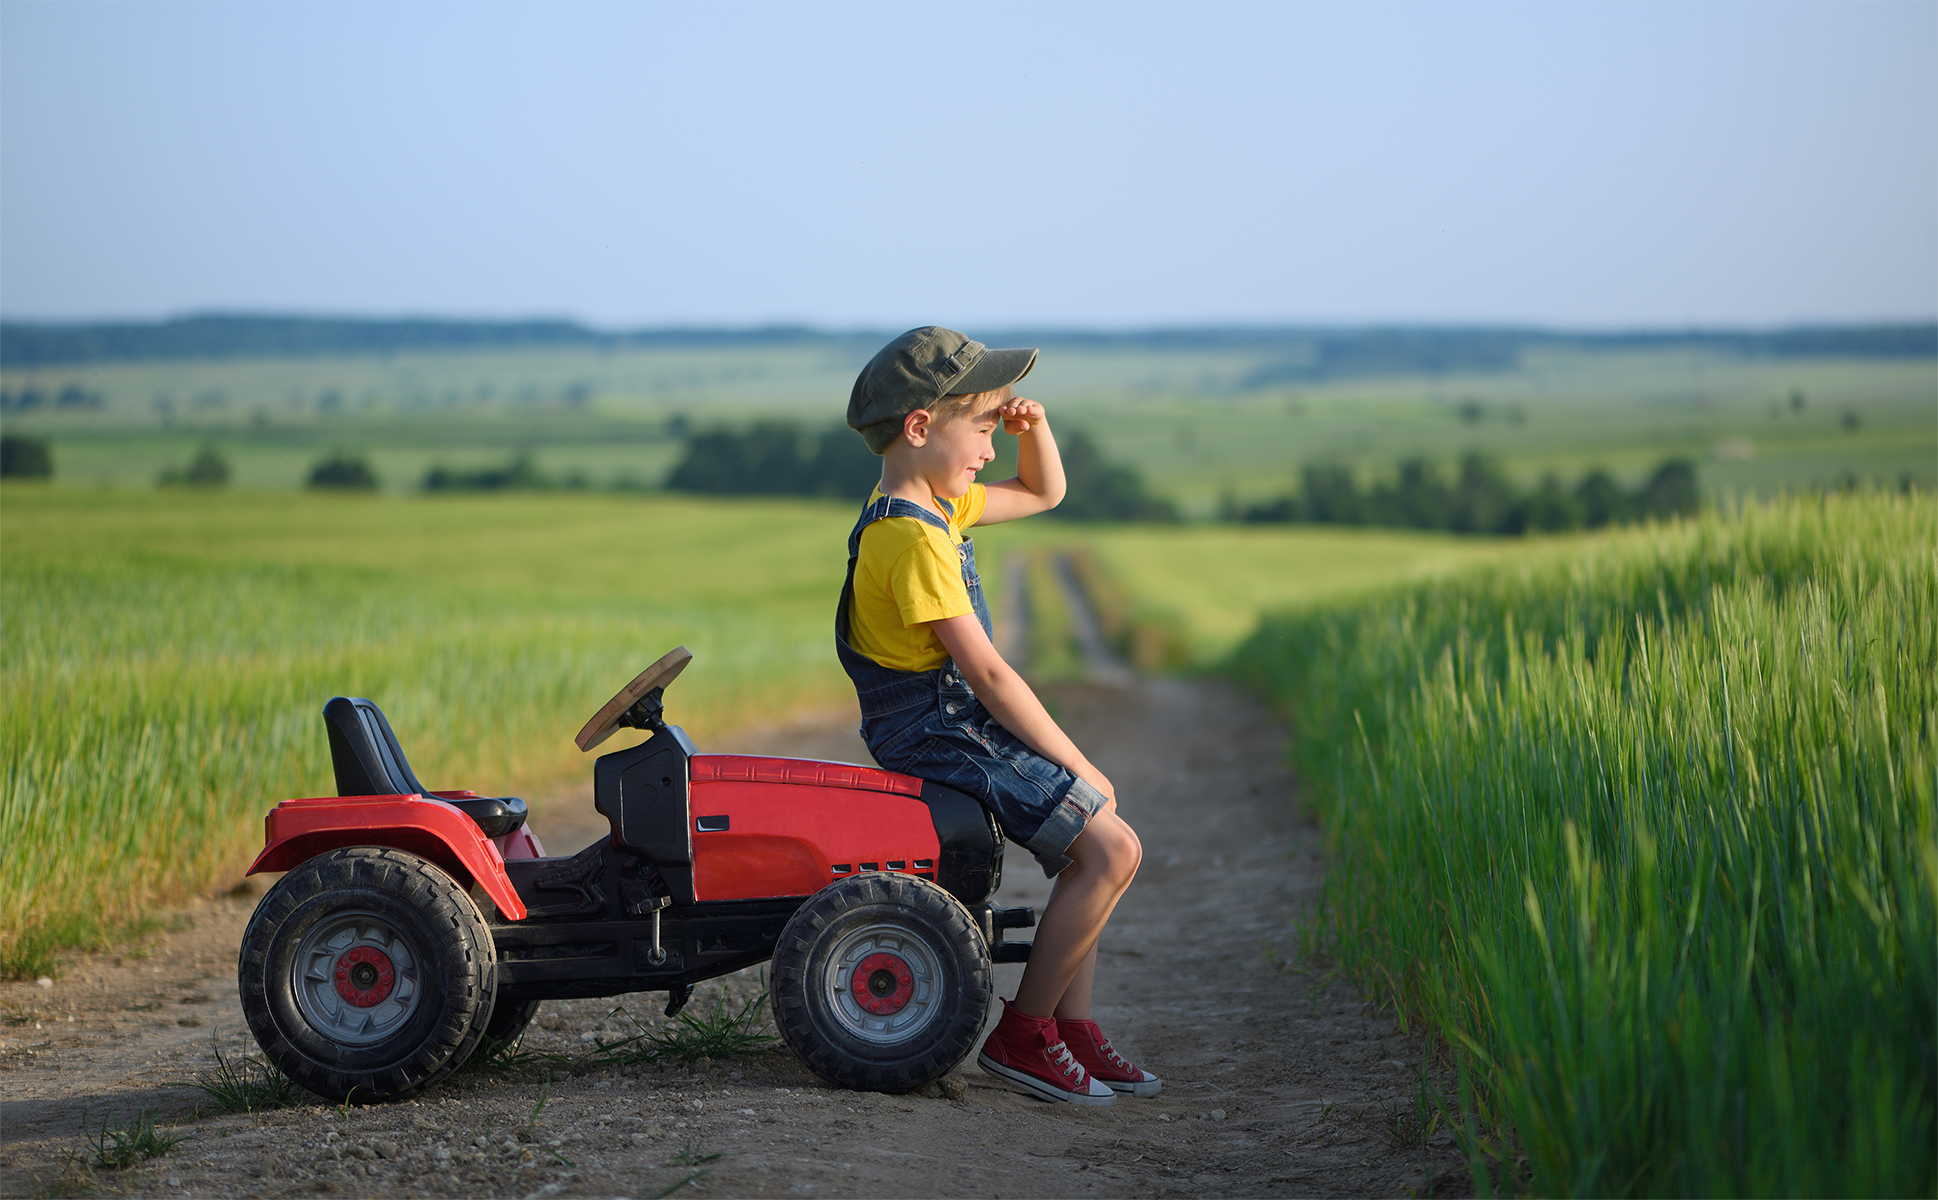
882,984
364,976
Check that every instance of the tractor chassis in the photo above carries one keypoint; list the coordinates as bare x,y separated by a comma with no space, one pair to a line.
601,925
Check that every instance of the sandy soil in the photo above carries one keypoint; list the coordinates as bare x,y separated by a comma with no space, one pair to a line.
1277,1082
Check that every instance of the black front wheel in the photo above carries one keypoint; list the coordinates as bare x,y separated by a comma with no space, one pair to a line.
881,982
367,973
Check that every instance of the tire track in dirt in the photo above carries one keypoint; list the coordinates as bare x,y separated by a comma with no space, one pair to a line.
1277,1082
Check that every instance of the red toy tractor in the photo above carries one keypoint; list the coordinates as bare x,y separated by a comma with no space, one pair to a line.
412,924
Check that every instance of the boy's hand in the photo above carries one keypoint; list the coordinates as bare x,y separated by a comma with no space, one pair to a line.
1039,484
1020,415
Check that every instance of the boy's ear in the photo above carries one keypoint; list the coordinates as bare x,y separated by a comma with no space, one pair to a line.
916,425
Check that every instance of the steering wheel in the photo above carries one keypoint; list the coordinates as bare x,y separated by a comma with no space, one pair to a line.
605,722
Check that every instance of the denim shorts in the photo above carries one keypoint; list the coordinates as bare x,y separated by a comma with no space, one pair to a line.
955,741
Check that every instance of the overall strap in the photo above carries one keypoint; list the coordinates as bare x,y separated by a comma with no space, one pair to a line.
892,506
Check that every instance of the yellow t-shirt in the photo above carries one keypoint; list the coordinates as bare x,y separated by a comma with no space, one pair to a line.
908,574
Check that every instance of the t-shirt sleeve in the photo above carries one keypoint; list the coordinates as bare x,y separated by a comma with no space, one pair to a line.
927,582
969,509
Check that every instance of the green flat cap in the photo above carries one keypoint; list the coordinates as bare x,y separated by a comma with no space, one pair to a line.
919,368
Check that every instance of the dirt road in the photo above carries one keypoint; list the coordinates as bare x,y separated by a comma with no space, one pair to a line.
1274,1084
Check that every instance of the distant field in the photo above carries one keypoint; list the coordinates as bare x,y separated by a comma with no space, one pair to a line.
1213,583
1201,422
1218,581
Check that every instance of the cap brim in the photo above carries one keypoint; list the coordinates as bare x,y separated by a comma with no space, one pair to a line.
996,368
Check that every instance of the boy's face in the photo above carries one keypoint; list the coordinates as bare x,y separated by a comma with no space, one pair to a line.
956,449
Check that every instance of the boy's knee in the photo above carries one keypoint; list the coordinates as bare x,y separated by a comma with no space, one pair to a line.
1133,854
1114,849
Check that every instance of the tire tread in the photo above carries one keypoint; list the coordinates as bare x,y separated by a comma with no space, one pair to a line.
794,968
459,955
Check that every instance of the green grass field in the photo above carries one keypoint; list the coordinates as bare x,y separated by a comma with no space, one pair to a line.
167,655
1216,581
1197,421
1640,824
1643,829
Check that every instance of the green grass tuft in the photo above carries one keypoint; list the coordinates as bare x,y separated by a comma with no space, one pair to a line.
688,1037
118,1145
688,1157
33,955
716,1033
248,1084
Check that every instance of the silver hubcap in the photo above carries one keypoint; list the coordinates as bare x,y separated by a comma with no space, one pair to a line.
357,978
923,988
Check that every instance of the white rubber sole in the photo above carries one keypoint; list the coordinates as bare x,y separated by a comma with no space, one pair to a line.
1036,1087
1145,1089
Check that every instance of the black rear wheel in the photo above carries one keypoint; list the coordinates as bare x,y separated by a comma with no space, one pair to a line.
880,982
365,974
509,1020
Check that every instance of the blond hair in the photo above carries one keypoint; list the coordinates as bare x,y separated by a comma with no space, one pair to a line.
961,404
882,434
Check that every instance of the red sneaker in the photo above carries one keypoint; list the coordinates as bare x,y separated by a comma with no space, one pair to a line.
1026,1051
1095,1054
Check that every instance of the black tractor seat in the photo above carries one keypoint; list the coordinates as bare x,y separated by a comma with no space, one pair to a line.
369,762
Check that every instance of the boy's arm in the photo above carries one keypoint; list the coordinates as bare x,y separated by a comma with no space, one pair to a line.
1010,700
1039,483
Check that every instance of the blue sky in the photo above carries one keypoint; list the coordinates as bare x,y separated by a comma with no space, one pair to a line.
870,165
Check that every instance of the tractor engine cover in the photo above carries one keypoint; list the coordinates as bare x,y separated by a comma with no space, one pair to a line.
771,827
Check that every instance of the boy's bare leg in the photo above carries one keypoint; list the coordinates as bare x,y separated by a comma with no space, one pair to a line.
1104,860
1075,1005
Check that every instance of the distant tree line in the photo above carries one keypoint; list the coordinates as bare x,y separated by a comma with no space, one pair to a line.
30,399
520,473
23,457
341,471
1292,354
208,469
1479,499
1104,491
217,335
777,458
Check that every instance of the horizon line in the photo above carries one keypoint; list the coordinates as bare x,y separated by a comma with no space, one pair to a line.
563,323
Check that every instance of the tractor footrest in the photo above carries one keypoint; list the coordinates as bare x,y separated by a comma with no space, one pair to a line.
1010,952
1012,918
994,921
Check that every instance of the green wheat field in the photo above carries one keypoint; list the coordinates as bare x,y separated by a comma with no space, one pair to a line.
1643,831
167,655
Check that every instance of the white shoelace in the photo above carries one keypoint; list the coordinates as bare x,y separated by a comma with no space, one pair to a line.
1067,1063
1109,1054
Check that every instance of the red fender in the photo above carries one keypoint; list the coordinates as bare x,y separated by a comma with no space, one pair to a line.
298,830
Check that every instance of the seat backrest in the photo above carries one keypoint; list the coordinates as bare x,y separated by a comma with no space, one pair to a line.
364,751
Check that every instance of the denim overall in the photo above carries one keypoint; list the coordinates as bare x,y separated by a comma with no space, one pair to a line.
930,725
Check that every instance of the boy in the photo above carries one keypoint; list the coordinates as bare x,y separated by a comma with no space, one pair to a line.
938,701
